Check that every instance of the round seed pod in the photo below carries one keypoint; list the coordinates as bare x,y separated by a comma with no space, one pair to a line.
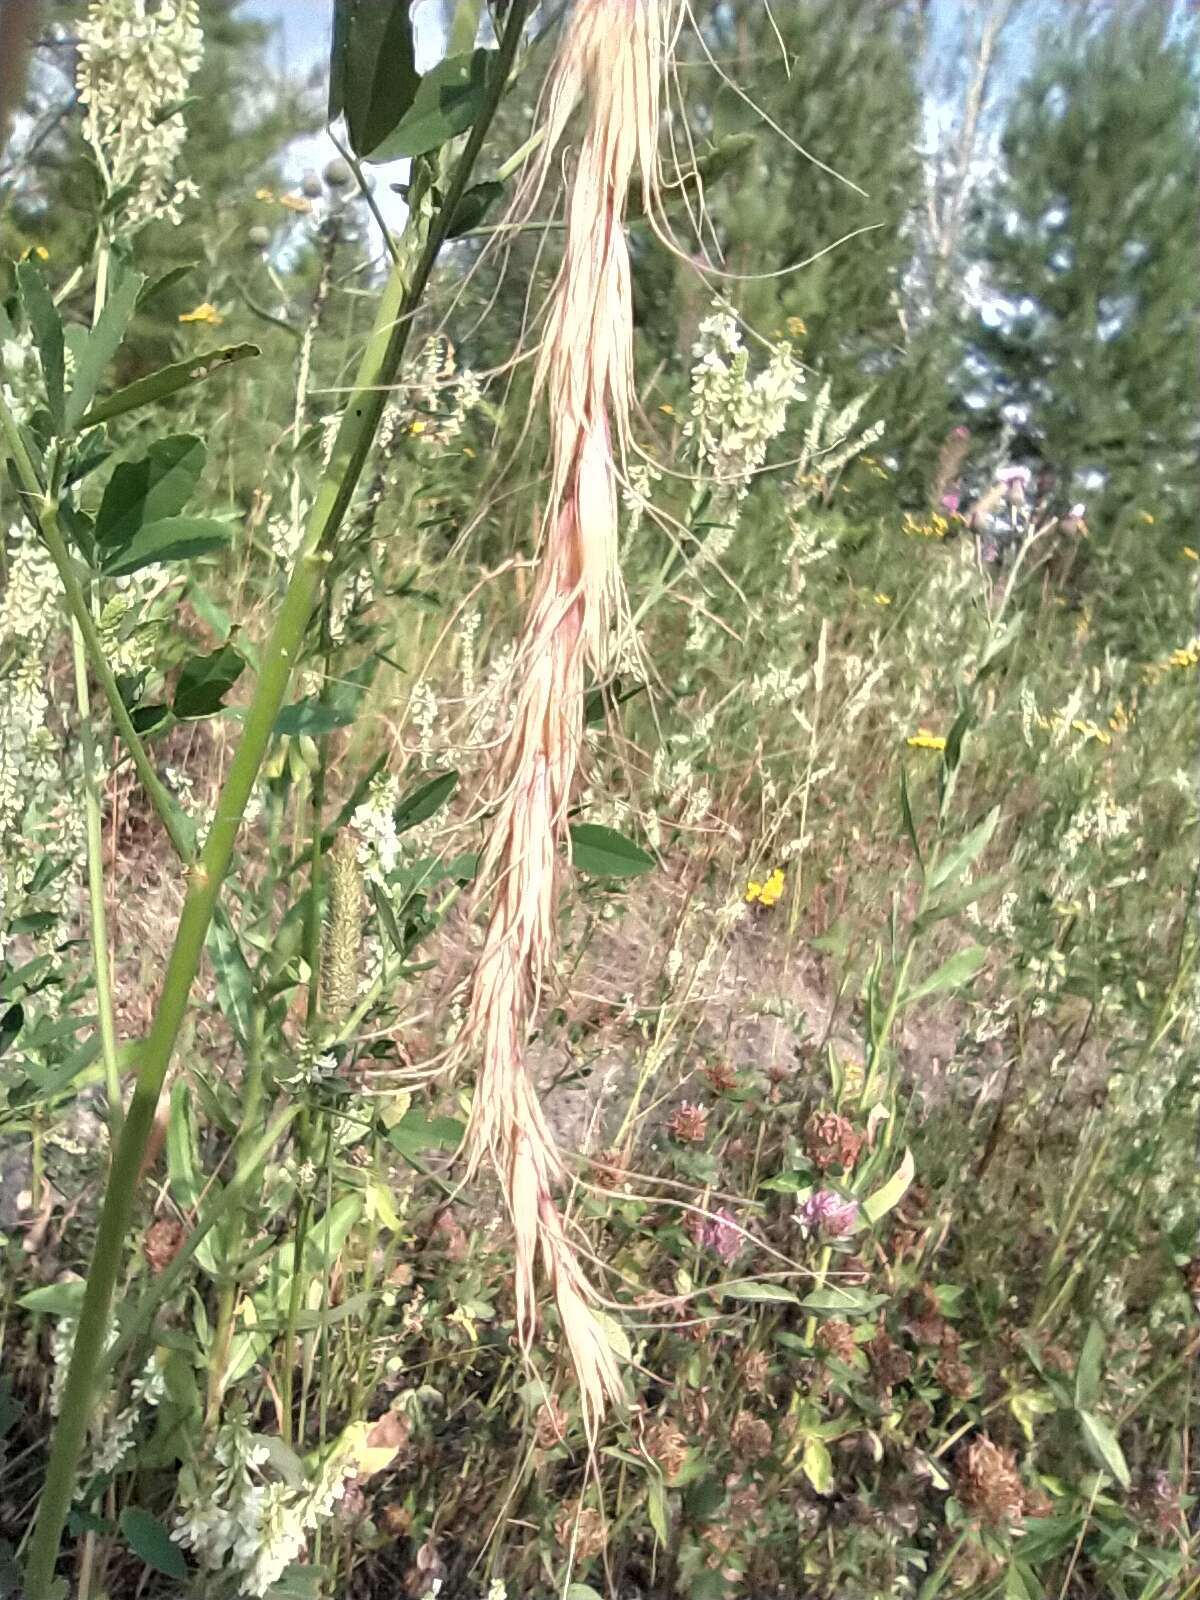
258,237
337,173
310,185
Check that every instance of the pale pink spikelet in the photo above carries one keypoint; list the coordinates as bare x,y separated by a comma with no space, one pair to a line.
611,60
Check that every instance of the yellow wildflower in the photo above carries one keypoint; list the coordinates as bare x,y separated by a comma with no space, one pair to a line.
797,327
416,427
1144,516
1189,554
768,892
1089,730
267,195
205,312
667,410
295,202
924,740
883,599
36,252
936,527
467,451
1119,720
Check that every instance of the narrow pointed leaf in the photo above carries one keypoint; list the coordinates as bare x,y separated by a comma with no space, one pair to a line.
102,344
167,381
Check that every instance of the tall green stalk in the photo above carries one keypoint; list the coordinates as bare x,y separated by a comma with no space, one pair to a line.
377,370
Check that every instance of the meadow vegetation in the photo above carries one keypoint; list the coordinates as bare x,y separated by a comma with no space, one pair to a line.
860,996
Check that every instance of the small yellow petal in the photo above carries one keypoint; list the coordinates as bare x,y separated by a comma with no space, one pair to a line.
205,312
1189,554
295,202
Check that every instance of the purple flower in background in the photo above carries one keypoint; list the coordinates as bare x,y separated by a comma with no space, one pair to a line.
950,502
827,1214
719,1232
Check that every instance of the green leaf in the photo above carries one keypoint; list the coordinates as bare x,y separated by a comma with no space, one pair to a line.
167,381
998,645
582,1591
172,539
146,719
165,280
475,204
656,1509
313,717
47,329
185,1183
213,616
1087,1373
961,857
156,485
387,916
11,1024
147,1538
606,698
605,853
235,986
416,1133
102,344
726,156
464,26
910,826
446,104
421,803
893,1191
299,1582
326,1237
959,899
204,681
1105,1446
951,974
373,77
952,754
765,1293
817,1464
56,1299
839,1302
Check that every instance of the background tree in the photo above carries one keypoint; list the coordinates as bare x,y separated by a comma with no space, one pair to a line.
1088,245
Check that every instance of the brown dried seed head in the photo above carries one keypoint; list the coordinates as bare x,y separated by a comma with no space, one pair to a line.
609,1169
831,1141
163,1242
689,1123
580,1529
889,1362
836,1338
721,1077
755,1369
988,1483
750,1437
667,1445
550,1427
955,1377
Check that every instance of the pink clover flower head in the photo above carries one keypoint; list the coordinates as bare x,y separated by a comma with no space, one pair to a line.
1078,509
827,1214
1011,474
950,502
719,1233
961,433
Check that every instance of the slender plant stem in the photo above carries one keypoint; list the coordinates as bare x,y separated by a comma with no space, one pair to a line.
96,896
377,369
